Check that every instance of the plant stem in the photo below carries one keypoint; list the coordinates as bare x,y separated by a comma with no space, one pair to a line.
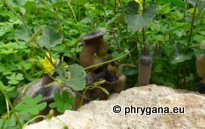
71,8
117,43
185,9
143,29
106,62
192,24
12,10
12,108
39,116
115,7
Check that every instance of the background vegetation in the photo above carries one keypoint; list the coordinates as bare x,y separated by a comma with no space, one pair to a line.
31,28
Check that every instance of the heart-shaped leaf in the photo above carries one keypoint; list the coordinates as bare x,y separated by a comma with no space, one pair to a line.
136,21
77,77
23,33
50,38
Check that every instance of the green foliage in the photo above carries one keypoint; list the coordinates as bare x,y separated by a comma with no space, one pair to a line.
62,102
30,105
30,28
23,33
9,123
135,20
75,78
14,78
50,38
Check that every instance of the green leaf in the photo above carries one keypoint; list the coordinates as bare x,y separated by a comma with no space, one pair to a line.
50,38
137,21
13,82
180,58
23,33
118,18
6,88
129,71
198,38
5,27
15,78
26,65
29,6
19,76
158,68
77,77
132,8
201,5
79,2
179,3
10,123
30,105
62,102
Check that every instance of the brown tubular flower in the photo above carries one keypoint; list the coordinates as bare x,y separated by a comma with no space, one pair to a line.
91,44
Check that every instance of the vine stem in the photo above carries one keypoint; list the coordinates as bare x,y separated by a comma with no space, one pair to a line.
106,62
192,23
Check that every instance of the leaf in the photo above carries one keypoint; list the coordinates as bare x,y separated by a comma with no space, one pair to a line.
29,6
132,8
13,82
180,58
5,27
50,38
201,5
10,123
62,102
77,80
137,21
15,78
30,105
129,71
79,2
26,65
23,33
118,18
179,3
19,76
6,88
198,38
158,68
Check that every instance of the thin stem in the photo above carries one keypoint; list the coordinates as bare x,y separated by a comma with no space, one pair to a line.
118,45
106,62
35,35
143,29
91,87
12,10
71,8
192,24
39,116
12,108
115,7
185,9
